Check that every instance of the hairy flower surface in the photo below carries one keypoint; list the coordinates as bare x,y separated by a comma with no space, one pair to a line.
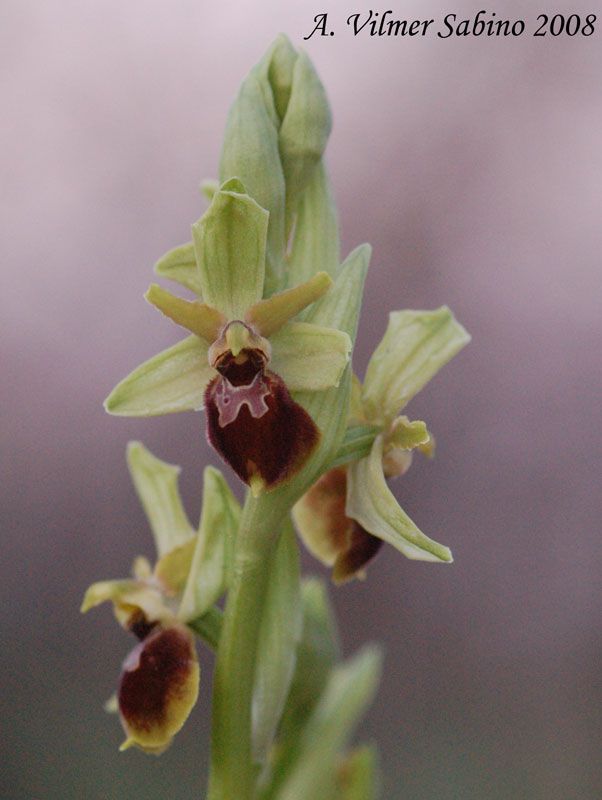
347,514
246,355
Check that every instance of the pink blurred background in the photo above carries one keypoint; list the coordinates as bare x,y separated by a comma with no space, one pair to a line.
474,167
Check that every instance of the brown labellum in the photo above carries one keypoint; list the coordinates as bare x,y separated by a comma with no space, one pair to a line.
328,533
257,427
158,687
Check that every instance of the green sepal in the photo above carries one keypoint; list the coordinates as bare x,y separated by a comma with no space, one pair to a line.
179,265
229,242
213,558
371,503
415,346
357,443
156,484
173,380
349,690
316,238
339,309
250,151
277,645
303,133
309,357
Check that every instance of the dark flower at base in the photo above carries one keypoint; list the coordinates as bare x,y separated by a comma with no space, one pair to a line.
258,429
328,533
158,688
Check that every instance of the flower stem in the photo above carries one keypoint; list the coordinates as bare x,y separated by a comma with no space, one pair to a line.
231,770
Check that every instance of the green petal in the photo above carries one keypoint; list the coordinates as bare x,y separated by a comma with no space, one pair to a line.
278,638
347,693
180,265
415,347
173,380
156,484
211,568
268,316
229,241
309,357
209,187
370,502
316,237
198,318
128,597
303,133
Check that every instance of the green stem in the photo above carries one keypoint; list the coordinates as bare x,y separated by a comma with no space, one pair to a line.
231,770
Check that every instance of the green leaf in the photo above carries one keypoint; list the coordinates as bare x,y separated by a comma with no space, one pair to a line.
229,241
414,348
173,380
357,443
315,243
317,653
303,133
349,690
371,503
156,483
309,357
278,638
212,562
179,265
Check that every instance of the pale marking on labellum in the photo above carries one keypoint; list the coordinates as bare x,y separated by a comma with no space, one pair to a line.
230,399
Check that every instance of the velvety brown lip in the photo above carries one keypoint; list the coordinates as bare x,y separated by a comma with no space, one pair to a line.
273,445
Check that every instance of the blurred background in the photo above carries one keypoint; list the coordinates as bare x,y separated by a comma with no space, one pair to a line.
474,167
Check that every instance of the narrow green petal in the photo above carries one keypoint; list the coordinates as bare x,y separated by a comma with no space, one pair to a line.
370,502
349,690
268,316
316,236
198,318
278,638
229,241
128,598
156,484
173,380
211,568
179,265
414,348
309,357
